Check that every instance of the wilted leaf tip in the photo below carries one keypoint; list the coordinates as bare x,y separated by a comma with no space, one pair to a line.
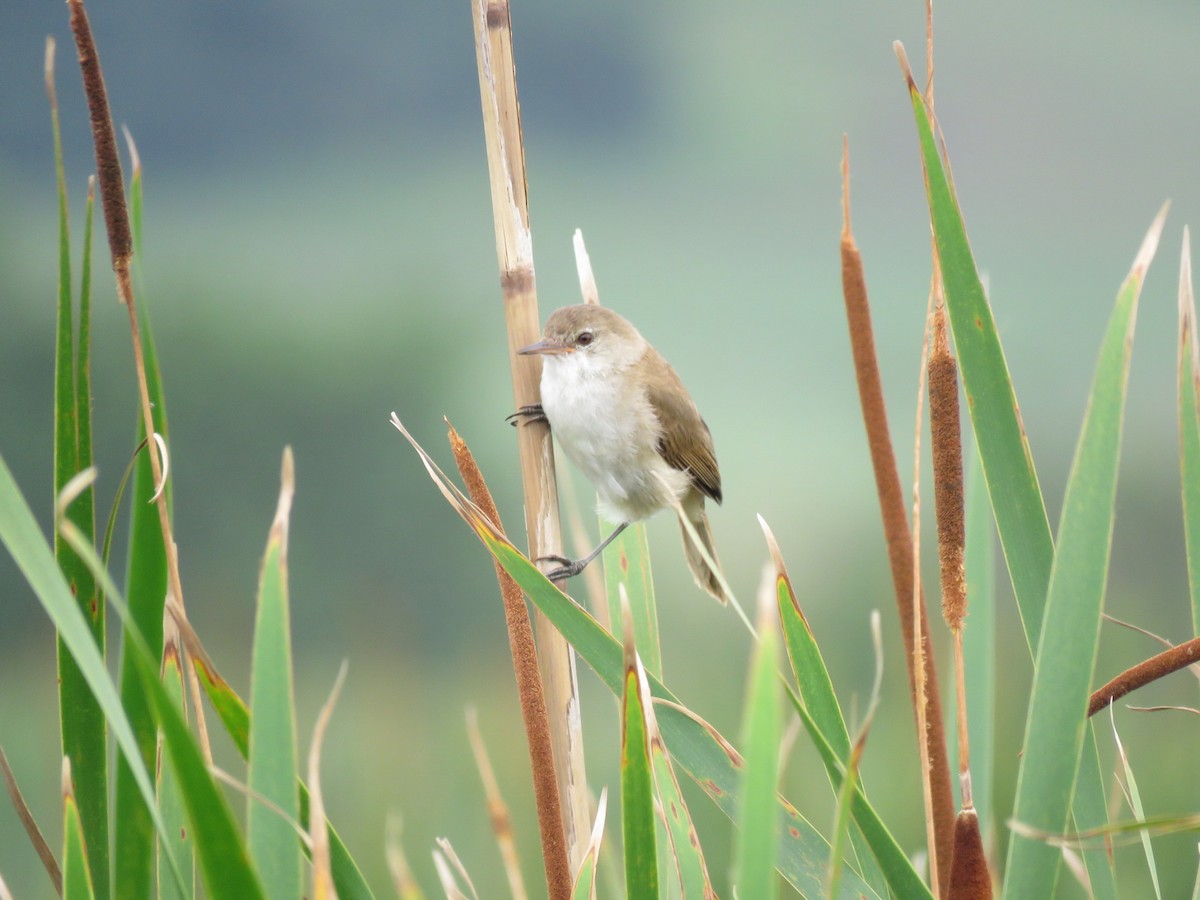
905,68
49,71
781,576
68,789
1150,243
287,491
135,160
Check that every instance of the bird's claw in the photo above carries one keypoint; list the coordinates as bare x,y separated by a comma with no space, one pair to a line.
531,412
567,567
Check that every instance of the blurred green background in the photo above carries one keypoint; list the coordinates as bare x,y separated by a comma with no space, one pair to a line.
319,252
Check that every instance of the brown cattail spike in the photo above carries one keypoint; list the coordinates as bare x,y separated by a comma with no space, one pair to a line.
108,161
969,877
895,523
946,438
529,689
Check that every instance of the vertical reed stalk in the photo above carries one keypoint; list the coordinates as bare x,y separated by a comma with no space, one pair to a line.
514,249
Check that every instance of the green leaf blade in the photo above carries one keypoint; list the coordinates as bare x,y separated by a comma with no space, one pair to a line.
19,532
627,561
757,838
219,847
179,844
1003,446
694,747
77,878
146,589
273,772
235,718
1189,426
1070,634
638,821
683,843
82,724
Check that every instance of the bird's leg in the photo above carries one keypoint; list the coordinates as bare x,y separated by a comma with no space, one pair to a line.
569,568
531,412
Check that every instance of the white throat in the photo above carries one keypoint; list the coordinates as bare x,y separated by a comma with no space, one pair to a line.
600,415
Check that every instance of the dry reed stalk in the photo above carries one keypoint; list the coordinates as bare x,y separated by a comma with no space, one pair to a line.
895,521
497,808
514,249
529,690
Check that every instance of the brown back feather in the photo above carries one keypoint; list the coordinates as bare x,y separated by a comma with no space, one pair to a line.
677,417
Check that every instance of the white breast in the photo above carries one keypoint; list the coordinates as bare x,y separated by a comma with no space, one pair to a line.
609,430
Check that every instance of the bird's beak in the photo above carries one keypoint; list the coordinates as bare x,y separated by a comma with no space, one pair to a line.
547,346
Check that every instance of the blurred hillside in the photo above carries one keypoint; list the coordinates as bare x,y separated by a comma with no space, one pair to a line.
319,253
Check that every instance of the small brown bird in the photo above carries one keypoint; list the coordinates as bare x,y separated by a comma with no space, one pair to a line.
623,416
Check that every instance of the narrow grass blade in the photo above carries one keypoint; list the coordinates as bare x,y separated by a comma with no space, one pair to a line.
498,812
235,717
894,865
84,734
1134,798
180,844
686,855
19,532
402,878
146,588
318,830
812,677
219,846
627,561
699,750
36,838
638,821
681,858
979,641
1070,635
273,772
585,881
842,827
757,838
818,697
1189,424
1089,809
1007,461
77,878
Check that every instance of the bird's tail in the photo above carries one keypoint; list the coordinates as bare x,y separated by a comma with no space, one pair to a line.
706,576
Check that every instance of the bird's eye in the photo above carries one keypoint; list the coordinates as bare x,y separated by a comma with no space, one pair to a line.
585,338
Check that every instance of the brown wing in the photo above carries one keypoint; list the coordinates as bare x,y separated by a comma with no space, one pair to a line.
684,441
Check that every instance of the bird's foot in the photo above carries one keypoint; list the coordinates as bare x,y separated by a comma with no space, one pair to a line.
567,567
527,414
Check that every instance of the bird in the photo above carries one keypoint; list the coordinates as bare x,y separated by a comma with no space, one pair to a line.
623,417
